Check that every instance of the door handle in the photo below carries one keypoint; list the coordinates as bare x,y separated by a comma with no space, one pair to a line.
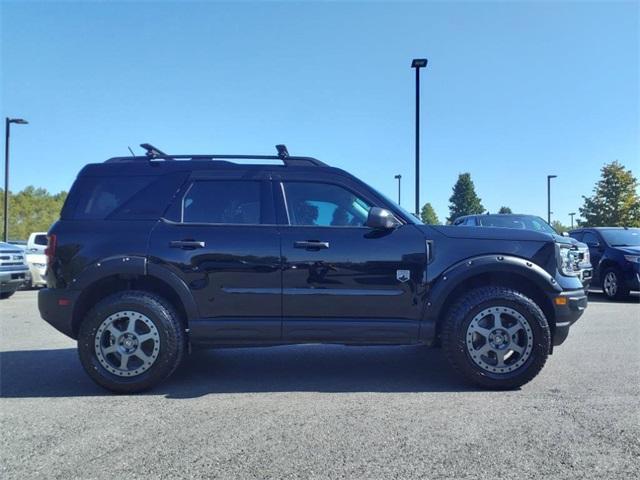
311,244
186,244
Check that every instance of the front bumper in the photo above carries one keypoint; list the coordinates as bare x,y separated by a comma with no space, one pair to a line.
569,307
10,280
56,308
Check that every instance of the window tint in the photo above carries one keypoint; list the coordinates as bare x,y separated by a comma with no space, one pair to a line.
589,238
324,204
97,197
218,201
40,240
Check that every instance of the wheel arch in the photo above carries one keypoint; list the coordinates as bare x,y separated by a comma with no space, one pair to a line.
508,271
156,280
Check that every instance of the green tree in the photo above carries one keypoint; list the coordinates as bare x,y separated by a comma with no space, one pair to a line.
615,201
504,210
428,215
559,227
464,200
31,210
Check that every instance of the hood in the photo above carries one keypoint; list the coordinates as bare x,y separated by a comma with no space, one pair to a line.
633,250
494,233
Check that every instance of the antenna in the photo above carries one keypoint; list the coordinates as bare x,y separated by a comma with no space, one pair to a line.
282,151
132,154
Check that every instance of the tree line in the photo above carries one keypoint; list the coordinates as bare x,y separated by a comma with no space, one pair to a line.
31,210
614,203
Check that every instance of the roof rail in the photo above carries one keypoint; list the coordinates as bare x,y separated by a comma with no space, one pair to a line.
154,155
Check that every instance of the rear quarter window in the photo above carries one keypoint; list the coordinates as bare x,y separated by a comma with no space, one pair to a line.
122,198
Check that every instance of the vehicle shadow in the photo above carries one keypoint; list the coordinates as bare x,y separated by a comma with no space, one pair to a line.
308,368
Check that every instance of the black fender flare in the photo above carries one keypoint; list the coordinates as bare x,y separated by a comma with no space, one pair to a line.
455,275
137,266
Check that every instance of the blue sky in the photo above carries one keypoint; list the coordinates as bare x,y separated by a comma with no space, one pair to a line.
513,91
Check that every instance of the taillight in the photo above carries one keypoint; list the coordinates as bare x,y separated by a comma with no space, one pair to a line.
50,251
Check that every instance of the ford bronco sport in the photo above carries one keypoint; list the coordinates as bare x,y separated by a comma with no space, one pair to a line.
154,255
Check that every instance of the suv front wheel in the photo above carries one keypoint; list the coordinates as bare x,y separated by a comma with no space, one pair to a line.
496,337
131,341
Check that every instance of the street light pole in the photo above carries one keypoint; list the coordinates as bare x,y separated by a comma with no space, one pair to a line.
571,215
549,177
418,63
8,122
399,178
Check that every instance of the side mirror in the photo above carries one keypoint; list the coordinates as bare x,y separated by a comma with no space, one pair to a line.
381,219
565,234
593,245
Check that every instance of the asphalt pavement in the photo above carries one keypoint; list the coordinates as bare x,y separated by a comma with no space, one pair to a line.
316,412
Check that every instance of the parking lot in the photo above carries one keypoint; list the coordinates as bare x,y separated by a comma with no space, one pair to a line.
323,411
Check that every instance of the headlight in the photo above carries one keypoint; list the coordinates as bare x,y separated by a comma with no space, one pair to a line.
567,260
632,258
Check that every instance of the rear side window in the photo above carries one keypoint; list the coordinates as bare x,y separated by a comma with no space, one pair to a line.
121,198
223,202
40,240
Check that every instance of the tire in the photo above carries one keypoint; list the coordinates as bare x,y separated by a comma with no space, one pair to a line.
473,341
143,326
613,285
5,295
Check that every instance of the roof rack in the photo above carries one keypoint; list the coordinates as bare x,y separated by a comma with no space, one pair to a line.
154,154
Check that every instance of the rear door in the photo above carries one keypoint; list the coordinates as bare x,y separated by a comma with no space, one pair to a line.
343,281
220,238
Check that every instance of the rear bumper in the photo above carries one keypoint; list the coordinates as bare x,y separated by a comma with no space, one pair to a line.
56,308
569,307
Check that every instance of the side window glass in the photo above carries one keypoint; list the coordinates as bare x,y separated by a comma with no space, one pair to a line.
324,204
589,238
222,202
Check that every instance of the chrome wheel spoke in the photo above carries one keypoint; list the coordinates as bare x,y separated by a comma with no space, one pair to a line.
110,349
484,349
115,333
485,332
131,326
142,356
515,329
497,321
145,337
499,358
124,361
517,348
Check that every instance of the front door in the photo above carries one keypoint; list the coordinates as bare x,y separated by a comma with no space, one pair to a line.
224,244
343,281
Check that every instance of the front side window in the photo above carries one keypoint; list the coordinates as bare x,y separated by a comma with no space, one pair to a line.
590,239
223,202
324,204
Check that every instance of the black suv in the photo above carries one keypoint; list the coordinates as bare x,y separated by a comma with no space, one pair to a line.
155,255
616,258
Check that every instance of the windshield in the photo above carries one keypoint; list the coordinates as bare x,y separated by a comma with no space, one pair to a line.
623,237
524,222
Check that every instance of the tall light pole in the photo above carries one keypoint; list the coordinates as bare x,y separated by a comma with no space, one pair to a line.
549,177
418,63
571,215
8,122
399,178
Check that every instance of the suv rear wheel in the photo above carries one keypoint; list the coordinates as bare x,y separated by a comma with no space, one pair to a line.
496,337
131,341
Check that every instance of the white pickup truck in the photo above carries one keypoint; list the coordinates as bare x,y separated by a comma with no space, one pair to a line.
14,270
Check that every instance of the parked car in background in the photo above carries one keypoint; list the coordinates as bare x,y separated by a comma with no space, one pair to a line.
37,266
37,242
14,270
537,224
615,254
